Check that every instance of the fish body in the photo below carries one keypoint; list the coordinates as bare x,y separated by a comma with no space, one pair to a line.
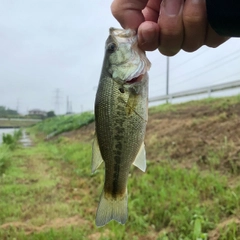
121,117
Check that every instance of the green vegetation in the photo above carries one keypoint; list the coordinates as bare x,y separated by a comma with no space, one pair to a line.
48,191
9,143
12,139
214,103
57,125
5,158
6,112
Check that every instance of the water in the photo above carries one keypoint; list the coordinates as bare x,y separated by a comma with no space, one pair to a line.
6,131
25,140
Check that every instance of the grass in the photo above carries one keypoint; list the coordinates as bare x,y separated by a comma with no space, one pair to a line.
56,125
48,192
5,156
214,103
11,122
9,143
53,181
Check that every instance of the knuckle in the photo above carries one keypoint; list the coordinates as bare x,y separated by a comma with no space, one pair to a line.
171,32
114,9
193,19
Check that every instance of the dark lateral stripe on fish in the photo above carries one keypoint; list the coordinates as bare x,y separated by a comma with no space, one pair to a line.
117,159
115,189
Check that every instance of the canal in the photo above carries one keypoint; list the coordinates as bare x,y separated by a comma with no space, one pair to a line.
6,131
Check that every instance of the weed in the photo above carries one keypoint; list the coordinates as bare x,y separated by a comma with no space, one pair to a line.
12,139
5,158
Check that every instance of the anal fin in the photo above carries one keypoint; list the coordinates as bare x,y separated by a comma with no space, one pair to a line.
140,160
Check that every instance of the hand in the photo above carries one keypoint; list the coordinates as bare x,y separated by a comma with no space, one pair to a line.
169,25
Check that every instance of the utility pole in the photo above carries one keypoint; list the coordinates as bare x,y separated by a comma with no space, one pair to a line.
167,79
68,106
57,101
18,106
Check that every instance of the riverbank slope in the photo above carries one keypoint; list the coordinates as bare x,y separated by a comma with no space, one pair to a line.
190,190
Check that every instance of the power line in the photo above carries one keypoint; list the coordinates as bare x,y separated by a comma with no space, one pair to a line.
161,74
224,60
201,73
219,80
190,59
231,75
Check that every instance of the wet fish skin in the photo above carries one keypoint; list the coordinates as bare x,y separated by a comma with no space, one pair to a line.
121,118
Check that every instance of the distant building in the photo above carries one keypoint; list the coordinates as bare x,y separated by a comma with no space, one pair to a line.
37,112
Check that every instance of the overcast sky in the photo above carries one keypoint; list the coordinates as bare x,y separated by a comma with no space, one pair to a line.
57,44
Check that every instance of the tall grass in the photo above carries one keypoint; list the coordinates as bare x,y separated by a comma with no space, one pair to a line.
12,139
5,156
9,143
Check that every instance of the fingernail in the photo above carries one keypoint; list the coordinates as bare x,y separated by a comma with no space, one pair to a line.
172,7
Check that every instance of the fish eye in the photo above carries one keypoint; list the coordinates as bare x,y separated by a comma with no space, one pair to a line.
111,47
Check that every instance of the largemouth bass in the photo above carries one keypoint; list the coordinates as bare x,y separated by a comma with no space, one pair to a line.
121,114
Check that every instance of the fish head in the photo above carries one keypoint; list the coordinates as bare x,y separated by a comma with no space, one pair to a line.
126,62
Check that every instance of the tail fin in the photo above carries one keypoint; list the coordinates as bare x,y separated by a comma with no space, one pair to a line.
112,209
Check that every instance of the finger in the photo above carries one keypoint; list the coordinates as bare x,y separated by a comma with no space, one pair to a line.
195,24
129,12
148,31
171,27
151,11
213,39
148,36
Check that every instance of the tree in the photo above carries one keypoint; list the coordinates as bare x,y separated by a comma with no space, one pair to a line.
50,114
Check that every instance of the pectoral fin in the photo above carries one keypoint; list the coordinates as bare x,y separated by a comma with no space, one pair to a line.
96,155
140,160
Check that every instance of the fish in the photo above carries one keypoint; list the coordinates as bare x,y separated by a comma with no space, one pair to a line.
121,114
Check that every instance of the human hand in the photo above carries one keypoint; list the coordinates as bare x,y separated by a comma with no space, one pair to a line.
169,25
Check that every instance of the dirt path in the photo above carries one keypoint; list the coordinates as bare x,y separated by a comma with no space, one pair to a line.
47,196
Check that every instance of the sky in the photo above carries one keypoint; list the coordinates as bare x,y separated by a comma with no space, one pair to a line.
51,50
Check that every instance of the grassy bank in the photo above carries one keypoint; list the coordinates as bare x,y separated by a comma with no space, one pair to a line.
48,191
16,123
56,125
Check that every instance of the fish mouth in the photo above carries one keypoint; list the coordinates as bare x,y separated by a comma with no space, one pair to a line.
122,33
134,65
135,79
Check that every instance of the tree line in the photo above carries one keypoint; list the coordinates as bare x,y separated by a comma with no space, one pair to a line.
7,112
